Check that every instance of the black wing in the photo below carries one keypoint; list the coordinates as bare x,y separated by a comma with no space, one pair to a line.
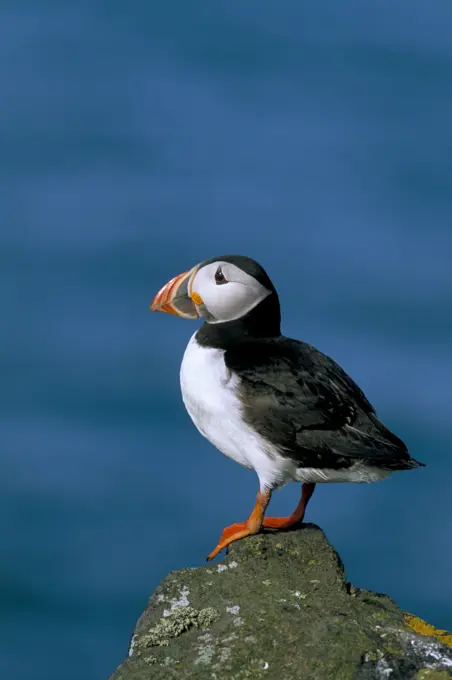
305,404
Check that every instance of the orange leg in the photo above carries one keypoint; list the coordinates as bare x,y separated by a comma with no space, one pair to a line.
240,530
298,514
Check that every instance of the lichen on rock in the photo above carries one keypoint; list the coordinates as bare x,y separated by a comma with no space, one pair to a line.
176,622
423,628
279,607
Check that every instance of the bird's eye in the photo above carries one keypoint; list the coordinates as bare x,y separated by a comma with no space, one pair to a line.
220,277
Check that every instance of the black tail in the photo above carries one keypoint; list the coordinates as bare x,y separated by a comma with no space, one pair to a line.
402,463
393,453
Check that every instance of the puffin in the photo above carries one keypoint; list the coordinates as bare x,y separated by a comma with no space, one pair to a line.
273,404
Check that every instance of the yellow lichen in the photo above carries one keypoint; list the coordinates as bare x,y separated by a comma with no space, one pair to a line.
423,628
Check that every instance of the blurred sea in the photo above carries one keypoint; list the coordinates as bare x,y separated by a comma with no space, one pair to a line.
136,140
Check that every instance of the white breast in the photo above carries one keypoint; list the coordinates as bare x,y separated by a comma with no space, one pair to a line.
208,391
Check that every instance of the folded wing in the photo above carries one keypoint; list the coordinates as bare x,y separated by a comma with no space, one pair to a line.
305,404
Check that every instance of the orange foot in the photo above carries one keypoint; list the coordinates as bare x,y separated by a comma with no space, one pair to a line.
280,522
298,514
242,529
232,533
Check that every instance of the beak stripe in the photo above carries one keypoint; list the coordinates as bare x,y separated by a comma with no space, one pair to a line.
174,296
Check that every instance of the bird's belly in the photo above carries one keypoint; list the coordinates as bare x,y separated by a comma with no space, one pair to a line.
220,429
208,392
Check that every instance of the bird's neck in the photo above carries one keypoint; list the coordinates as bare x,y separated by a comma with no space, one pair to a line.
264,321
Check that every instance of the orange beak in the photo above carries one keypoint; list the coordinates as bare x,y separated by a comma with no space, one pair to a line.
175,296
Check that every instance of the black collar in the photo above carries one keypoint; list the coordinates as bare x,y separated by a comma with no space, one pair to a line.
264,321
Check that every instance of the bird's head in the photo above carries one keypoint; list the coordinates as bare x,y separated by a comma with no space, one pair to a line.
220,290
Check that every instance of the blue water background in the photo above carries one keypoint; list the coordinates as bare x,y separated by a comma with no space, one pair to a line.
136,140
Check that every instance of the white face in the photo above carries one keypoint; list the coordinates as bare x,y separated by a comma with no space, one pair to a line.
227,292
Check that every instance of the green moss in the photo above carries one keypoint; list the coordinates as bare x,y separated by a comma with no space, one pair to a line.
255,545
394,649
432,674
177,622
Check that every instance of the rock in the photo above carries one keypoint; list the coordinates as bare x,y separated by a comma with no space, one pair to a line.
278,607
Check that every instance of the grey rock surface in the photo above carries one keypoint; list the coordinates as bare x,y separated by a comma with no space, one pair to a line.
278,608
